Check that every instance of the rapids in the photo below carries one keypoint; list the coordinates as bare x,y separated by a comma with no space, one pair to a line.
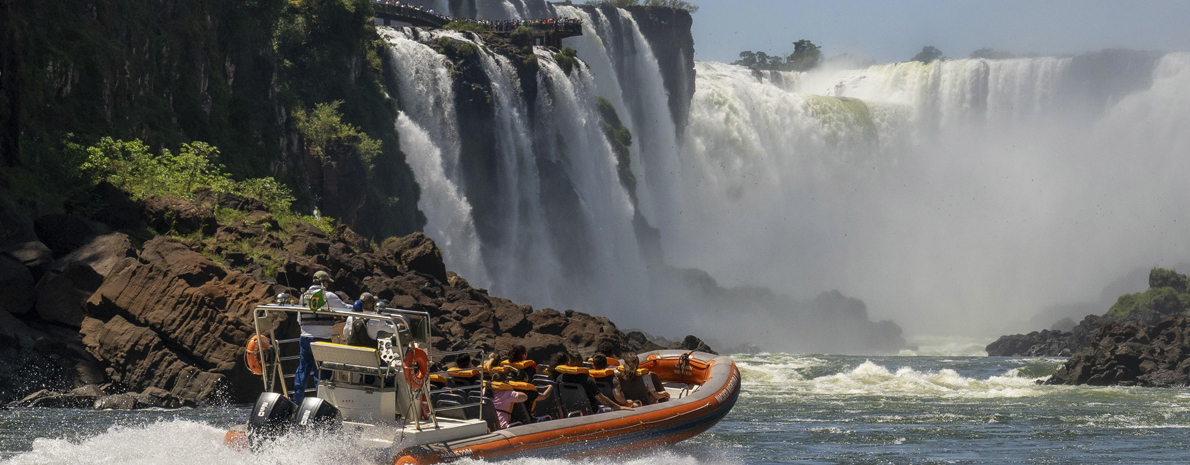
793,408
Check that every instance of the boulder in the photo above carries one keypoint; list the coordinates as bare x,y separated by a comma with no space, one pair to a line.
1133,353
692,342
46,398
165,214
16,285
548,321
116,402
100,253
62,233
416,252
174,258
62,295
34,255
115,208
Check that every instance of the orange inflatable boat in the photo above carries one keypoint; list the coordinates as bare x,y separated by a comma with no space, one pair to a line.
385,399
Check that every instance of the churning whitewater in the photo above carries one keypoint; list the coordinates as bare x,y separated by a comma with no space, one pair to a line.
792,409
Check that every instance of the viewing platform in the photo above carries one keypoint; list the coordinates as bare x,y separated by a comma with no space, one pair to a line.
548,32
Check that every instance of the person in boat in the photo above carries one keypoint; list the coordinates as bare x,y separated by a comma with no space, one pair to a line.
607,376
464,373
571,374
636,384
608,349
363,332
504,398
518,358
315,327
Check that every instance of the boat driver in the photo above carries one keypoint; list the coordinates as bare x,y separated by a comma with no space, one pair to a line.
315,327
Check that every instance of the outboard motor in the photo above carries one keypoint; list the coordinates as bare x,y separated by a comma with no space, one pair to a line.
317,414
269,418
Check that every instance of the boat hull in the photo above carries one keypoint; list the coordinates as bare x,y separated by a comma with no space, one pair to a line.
614,432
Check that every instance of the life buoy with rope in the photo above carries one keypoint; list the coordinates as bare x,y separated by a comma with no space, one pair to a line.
256,346
417,367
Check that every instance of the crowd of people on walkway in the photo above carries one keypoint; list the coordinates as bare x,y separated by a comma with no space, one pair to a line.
504,25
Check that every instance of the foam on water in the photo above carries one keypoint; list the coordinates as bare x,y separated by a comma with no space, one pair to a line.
189,442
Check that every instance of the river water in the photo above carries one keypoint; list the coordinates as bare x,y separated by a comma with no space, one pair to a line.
806,409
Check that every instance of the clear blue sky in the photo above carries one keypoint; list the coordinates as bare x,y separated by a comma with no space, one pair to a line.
896,30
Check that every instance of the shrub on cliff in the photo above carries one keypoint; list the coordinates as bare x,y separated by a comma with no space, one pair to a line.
324,130
521,37
621,139
676,4
133,168
466,26
567,59
1167,295
927,55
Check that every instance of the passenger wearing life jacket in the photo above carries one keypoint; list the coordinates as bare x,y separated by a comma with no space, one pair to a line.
574,373
464,372
315,327
518,358
504,398
606,380
636,384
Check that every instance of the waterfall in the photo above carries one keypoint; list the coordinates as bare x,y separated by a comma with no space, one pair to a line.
944,194
429,134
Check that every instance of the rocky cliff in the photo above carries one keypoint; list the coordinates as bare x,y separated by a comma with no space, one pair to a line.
1132,354
668,33
121,322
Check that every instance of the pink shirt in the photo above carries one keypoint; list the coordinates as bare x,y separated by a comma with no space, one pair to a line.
503,400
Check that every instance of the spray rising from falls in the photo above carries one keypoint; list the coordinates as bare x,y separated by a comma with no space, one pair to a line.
955,196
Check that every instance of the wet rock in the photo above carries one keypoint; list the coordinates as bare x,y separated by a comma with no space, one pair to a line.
16,285
46,398
692,342
116,402
548,321
1134,353
638,341
15,226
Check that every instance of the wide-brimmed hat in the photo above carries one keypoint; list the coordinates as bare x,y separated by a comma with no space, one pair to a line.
322,276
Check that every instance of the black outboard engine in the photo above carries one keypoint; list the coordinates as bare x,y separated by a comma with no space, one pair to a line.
316,414
269,418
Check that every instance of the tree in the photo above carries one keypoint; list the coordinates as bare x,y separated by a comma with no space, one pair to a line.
928,54
747,58
805,56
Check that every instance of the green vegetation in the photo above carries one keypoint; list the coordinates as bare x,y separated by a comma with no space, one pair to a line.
928,54
233,74
131,167
522,36
676,4
324,129
567,59
1168,294
621,139
805,57
466,26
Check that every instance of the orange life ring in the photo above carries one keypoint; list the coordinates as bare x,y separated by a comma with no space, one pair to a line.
256,345
417,367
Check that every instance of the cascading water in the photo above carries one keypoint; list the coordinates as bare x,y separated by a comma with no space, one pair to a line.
555,228
946,194
429,139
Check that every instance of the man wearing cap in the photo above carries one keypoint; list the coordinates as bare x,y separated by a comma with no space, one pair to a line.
315,327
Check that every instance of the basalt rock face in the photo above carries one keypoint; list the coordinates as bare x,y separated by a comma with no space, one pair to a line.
165,323
1132,354
1057,343
668,33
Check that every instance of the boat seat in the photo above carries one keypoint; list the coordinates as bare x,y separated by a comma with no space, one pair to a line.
345,354
606,388
542,383
574,399
450,396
